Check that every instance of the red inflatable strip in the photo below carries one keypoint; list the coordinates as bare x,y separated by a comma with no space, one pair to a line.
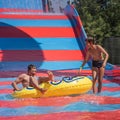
111,89
8,74
105,115
53,101
10,10
113,72
6,91
59,101
18,16
67,73
45,32
5,83
40,55
112,81
101,100
116,72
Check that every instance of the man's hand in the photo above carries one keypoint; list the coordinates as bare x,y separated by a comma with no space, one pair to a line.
16,89
43,90
79,70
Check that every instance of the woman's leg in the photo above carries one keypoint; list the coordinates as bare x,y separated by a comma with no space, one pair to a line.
94,75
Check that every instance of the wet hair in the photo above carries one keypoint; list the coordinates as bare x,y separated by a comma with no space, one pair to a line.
68,2
31,66
90,40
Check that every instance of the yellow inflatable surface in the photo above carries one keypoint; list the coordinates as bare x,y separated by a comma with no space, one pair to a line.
67,86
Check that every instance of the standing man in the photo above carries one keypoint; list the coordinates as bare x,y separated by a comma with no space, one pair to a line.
99,59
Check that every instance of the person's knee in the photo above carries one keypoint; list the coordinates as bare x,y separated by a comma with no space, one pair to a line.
94,79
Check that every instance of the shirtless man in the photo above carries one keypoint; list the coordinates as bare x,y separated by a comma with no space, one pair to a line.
30,79
99,59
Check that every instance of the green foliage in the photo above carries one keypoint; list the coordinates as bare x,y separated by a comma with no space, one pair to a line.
100,20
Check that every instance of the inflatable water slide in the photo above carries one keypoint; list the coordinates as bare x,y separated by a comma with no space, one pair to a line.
30,34
51,41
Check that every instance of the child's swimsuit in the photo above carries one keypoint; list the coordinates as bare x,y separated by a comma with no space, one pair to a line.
97,64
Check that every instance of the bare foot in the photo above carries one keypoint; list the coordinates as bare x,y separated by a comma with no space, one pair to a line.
50,75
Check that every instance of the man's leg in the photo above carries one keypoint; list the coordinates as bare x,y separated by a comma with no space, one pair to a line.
100,77
46,79
50,76
94,75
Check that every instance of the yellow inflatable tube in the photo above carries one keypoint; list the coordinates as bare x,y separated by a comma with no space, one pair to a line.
76,85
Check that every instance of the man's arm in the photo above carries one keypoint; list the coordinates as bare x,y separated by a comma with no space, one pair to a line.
84,62
17,81
32,80
105,53
46,79
86,59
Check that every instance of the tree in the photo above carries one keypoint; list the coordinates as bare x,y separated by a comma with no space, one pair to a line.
99,22
111,15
